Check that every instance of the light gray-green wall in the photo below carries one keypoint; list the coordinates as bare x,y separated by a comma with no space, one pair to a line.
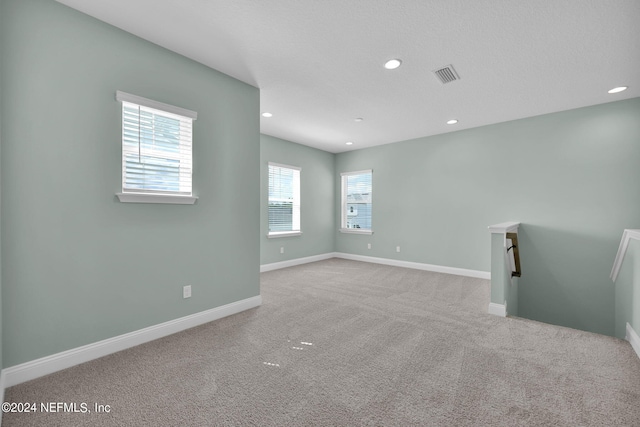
317,200
1,108
627,288
570,178
504,287
78,266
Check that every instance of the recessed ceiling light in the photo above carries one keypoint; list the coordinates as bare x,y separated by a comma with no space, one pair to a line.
358,119
349,143
266,114
618,89
392,64
452,122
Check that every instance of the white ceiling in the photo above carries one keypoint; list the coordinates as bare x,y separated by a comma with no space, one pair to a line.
319,63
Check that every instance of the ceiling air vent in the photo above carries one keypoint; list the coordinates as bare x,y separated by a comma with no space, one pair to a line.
446,74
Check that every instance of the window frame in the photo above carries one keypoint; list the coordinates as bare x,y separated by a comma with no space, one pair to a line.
288,233
166,197
343,203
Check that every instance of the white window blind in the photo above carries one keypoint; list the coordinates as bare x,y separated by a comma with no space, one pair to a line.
357,192
284,198
156,147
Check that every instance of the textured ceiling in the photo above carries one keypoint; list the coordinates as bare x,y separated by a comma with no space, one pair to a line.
319,63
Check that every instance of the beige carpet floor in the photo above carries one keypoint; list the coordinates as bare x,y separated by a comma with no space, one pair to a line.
344,343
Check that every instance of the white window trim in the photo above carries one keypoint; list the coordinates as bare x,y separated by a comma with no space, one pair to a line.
135,99
356,172
167,199
277,234
173,199
281,165
355,231
343,200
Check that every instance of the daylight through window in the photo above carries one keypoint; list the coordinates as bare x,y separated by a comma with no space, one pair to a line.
357,201
284,199
156,147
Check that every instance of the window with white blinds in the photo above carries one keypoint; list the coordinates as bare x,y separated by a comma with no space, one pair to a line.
284,199
156,147
357,191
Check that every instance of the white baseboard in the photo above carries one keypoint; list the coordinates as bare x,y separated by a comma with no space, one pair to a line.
498,309
294,262
417,265
633,339
627,235
46,365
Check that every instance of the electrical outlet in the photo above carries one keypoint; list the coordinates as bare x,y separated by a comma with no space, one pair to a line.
282,249
368,245
397,248
186,291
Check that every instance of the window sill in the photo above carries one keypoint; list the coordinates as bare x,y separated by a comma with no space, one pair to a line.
355,231
156,198
284,234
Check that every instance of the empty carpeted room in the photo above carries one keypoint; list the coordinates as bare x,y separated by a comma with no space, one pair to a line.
303,212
